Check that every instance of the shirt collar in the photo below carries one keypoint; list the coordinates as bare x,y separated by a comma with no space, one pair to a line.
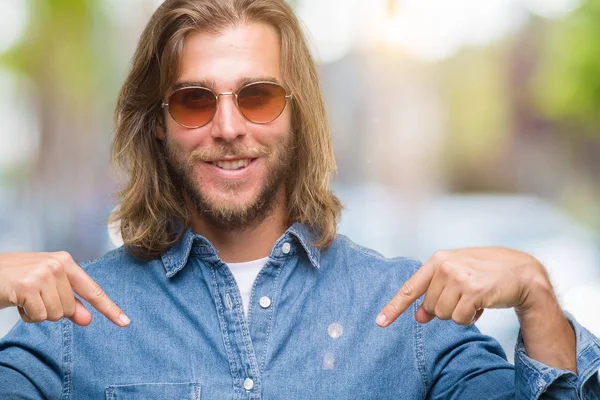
306,238
176,256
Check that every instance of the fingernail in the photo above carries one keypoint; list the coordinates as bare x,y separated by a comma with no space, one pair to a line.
381,318
124,318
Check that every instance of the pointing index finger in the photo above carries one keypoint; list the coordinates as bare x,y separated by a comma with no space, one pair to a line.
412,289
90,291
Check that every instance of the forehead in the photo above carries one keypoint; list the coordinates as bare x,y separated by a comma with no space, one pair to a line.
239,53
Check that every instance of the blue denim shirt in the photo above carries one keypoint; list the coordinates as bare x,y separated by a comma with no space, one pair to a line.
315,339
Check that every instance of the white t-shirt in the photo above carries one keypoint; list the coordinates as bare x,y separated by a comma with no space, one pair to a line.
245,273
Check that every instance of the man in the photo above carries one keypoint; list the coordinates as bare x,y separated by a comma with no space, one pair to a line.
233,276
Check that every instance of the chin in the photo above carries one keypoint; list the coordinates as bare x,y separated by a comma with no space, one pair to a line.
234,201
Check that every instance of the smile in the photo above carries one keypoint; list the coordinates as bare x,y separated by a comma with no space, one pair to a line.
232,169
232,164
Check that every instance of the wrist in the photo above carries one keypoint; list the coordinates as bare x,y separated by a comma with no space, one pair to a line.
539,297
550,339
547,334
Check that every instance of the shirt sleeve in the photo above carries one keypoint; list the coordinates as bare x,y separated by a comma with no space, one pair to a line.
459,362
535,380
32,359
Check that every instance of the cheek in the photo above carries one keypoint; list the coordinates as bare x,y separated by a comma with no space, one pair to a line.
274,134
185,140
274,142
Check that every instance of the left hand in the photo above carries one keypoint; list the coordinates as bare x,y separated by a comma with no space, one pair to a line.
460,284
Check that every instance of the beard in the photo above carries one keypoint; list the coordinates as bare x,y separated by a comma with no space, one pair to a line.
229,215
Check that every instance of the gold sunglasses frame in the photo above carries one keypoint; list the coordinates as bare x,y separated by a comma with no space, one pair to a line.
236,93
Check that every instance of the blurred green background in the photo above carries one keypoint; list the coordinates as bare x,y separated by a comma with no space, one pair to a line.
455,123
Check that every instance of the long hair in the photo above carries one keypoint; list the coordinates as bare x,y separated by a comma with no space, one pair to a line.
151,209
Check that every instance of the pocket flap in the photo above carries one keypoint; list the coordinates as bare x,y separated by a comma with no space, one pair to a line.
151,391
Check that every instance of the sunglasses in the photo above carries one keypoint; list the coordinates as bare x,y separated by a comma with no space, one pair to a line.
195,106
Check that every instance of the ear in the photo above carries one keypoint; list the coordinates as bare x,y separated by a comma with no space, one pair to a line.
160,132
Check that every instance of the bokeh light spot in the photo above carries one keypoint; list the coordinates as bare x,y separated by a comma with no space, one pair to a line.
13,21
335,330
328,361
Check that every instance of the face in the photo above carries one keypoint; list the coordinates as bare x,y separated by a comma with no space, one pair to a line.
231,169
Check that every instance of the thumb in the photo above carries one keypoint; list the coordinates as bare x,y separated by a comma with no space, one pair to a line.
423,316
82,316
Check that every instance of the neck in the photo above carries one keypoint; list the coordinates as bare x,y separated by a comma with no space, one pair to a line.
248,244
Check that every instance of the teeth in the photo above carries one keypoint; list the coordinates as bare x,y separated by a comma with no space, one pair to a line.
236,164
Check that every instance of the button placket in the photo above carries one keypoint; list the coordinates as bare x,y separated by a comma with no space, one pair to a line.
235,331
261,316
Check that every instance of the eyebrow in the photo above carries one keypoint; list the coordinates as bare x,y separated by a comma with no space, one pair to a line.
211,84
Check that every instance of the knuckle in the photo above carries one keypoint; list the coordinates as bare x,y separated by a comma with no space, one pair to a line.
25,287
441,313
393,308
473,288
55,266
112,307
55,316
440,255
69,311
97,291
407,289
464,313
459,317
40,316
460,278
429,308
41,275
447,268
459,320
62,256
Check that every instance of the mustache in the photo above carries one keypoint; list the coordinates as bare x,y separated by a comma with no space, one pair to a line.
221,151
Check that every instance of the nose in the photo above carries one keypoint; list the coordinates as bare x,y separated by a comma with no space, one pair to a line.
228,123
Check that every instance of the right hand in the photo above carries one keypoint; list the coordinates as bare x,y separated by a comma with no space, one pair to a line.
41,286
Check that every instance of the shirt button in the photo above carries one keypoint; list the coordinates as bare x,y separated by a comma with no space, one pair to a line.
264,302
248,384
286,248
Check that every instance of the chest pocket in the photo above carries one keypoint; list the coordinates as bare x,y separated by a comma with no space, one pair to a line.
152,391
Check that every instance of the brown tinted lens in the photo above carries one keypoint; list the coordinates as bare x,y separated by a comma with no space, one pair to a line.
192,107
261,102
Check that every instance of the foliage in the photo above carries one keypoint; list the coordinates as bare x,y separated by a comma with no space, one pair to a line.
568,85
59,49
